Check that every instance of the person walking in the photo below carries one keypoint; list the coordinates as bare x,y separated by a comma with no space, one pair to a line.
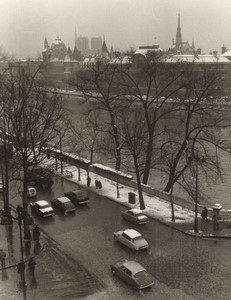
204,214
31,266
96,184
36,234
2,257
100,185
88,180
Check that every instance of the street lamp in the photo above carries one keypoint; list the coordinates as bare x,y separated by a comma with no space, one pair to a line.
198,159
196,200
21,265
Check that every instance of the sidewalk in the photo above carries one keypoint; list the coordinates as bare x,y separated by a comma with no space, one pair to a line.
156,208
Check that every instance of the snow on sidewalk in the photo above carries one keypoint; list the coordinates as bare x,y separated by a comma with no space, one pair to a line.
155,207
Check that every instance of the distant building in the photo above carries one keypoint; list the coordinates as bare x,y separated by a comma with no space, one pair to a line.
58,50
96,45
104,52
180,46
83,45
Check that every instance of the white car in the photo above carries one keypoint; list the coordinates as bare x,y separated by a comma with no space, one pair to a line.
131,238
42,208
31,192
135,215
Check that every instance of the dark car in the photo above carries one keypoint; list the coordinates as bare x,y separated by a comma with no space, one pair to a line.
132,273
64,204
78,196
40,178
135,215
42,208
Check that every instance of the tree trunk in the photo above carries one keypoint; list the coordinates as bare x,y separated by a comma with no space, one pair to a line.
172,205
148,160
139,186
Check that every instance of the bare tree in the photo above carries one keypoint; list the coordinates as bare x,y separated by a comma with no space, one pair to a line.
31,113
135,133
99,85
196,131
153,82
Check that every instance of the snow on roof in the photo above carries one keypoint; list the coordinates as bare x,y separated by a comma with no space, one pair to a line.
120,60
136,210
132,233
63,199
227,53
208,58
42,202
144,52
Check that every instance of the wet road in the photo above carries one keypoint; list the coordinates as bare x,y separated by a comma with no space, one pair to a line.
184,267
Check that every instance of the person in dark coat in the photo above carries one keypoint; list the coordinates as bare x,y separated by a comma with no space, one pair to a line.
99,184
31,266
36,233
96,184
2,257
204,214
88,180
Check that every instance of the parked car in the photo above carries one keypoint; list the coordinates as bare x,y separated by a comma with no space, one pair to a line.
132,273
64,204
131,238
40,178
135,215
42,208
78,196
31,192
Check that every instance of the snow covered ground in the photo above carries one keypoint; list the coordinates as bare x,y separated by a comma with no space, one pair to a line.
155,207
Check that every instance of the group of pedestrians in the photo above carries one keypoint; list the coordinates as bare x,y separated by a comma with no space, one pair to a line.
98,183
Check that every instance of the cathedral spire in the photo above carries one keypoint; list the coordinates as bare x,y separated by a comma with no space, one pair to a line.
46,45
75,38
178,34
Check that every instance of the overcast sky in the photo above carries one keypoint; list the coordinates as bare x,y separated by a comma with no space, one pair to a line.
125,23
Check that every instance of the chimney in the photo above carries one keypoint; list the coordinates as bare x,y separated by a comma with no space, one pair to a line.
215,54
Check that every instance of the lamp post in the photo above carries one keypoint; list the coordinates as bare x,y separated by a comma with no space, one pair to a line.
196,200
61,152
201,160
21,265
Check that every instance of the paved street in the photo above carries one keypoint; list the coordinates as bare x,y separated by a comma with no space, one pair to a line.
77,250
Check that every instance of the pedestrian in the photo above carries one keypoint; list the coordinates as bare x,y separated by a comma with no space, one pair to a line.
215,222
36,234
31,266
21,267
2,257
99,185
88,180
96,184
204,214
10,216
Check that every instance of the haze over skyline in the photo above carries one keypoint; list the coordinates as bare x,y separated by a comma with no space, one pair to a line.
125,23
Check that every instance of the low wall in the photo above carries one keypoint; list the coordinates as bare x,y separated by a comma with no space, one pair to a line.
121,178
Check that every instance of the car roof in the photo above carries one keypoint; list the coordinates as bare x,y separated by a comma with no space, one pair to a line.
135,210
133,266
42,202
63,199
132,233
31,188
76,191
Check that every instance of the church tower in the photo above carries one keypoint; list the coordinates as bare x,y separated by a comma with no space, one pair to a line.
178,35
46,45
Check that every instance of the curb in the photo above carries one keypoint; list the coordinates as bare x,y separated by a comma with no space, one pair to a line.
187,232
